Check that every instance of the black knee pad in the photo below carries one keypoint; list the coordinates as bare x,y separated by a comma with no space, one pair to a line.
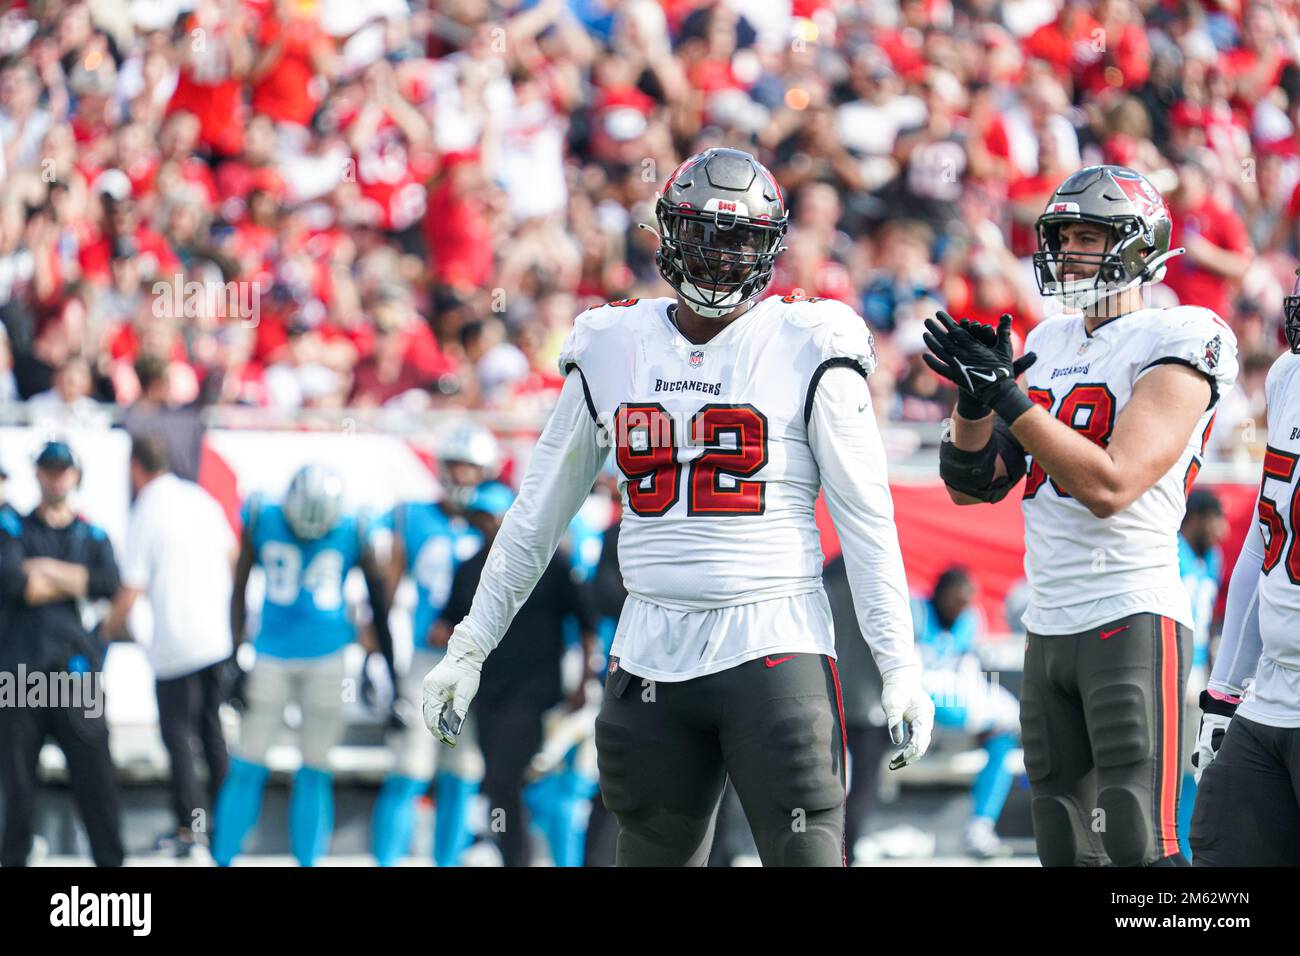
1034,739
1055,830
792,784
1122,736
817,840
613,756
800,735
649,834
1128,831
655,837
1119,725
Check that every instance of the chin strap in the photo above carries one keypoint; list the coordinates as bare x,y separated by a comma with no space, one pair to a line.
1160,260
1148,275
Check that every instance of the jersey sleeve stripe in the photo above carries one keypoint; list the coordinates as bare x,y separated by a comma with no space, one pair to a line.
586,391
1171,360
838,361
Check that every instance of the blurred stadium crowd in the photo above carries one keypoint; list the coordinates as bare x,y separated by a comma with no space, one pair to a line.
408,202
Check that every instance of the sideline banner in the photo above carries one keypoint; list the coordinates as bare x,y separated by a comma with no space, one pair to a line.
380,470
989,540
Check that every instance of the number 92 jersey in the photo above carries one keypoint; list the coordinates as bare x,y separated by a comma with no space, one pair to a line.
1083,570
304,613
711,442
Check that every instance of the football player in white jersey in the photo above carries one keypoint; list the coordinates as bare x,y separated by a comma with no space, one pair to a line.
1119,404
1248,750
726,414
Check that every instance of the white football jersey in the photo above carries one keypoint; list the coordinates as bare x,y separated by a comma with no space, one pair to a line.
1274,697
1084,571
719,547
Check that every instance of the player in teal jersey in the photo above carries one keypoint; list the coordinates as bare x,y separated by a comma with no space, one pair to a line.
968,700
306,547
431,539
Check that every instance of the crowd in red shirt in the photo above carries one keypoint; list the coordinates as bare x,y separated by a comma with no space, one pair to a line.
300,204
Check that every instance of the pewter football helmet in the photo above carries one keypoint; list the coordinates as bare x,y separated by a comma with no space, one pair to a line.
721,221
1137,221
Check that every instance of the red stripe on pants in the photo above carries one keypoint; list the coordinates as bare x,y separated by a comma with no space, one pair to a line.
1168,767
844,744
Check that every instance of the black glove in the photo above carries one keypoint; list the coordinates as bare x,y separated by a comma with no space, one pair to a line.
987,373
370,697
369,693
235,680
968,406
396,721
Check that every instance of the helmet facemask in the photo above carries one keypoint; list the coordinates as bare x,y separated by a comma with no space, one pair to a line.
1123,266
458,494
1291,316
467,445
716,261
314,502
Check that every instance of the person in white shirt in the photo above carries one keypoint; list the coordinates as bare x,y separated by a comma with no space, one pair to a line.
727,416
180,551
69,401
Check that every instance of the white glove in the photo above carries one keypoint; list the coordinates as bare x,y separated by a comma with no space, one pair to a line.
909,712
448,690
1216,714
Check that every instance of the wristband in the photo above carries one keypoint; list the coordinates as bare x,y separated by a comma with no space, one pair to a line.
1216,705
1010,403
969,407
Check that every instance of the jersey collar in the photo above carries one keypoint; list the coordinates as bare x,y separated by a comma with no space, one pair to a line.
684,344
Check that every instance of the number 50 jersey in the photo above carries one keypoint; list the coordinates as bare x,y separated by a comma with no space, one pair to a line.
711,442
1083,570
1274,697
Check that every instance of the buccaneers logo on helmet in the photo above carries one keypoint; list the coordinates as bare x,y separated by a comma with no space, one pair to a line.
721,221
1138,228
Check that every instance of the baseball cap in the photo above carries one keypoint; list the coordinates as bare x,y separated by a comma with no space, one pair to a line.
55,456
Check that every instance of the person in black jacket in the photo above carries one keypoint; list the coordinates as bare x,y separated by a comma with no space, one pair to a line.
607,595
865,734
6,509
50,562
522,680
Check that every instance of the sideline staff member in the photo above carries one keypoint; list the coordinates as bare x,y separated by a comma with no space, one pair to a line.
49,563
179,553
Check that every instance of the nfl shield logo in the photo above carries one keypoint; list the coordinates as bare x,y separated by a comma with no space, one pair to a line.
697,358
1212,352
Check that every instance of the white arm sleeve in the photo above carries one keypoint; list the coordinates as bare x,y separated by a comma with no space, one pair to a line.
1241,645
565,463
846,443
